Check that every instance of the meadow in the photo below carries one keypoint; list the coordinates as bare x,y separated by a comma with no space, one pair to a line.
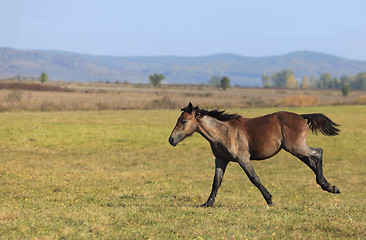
113,175
71,96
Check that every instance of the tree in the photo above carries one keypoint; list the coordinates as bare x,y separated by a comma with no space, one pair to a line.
345,89
290,82
312,81
225,83
345,80
266,81
279,79
325,81
156,79
43,78
337,83
214,81
305,82
360,81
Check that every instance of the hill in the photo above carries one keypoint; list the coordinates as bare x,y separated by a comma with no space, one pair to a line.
244,71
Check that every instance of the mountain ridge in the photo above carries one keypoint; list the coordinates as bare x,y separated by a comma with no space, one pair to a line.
242,70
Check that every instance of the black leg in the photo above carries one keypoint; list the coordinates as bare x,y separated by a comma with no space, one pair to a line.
315,162
249,170
220,166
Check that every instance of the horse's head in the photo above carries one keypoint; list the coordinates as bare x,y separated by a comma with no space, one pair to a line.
186,125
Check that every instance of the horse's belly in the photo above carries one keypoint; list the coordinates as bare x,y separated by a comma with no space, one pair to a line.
262,156
264,151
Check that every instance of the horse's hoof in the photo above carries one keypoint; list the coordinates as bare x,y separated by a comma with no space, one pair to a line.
269,201
334,189
206,205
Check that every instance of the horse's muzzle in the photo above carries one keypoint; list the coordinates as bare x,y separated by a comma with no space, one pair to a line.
172,142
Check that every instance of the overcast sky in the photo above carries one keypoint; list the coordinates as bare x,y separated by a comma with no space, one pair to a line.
186,28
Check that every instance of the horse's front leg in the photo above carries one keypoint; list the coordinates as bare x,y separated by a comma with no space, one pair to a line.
249,170
219,174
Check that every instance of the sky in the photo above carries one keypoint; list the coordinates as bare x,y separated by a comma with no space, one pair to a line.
186,28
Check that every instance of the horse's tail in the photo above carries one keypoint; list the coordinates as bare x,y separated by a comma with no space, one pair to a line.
320,122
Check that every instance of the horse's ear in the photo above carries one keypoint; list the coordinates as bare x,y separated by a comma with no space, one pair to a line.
188,109
197,111
190,105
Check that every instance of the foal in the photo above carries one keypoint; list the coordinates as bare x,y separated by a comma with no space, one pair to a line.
237,139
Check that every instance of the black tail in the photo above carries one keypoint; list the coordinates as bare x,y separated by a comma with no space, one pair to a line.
320,122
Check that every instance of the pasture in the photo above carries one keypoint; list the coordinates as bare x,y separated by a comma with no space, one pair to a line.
113,174
71,96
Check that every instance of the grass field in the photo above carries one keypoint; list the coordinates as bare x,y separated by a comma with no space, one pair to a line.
112,174
64,96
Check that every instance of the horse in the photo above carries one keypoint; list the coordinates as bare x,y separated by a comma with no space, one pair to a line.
234,138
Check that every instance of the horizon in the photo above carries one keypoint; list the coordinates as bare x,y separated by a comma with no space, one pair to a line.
242,70
190,28
180,56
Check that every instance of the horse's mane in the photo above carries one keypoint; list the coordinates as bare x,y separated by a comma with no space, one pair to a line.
216,113
219,114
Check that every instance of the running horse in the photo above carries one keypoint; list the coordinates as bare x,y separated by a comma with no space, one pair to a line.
234,138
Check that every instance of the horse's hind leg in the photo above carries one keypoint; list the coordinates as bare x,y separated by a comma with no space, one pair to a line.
314,159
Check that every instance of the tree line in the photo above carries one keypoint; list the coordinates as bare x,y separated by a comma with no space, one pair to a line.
43,78
287,79
223,82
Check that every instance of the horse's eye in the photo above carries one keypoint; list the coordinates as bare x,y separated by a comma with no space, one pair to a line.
184,121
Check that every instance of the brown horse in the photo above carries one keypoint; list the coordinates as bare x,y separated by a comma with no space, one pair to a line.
238,139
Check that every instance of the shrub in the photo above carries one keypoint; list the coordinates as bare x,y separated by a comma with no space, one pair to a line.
345,89
43,78
225,83
33,87
361,100
300,101
163,103
156,79
15,95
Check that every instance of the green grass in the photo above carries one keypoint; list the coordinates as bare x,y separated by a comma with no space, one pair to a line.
112,174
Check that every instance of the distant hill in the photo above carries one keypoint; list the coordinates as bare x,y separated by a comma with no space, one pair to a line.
244,71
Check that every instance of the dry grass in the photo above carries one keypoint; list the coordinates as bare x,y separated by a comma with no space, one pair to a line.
361,100
101,96
33,86
301,101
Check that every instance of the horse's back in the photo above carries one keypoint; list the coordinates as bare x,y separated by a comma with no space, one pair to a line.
275,121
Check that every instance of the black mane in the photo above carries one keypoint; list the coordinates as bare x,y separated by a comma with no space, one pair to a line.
218,114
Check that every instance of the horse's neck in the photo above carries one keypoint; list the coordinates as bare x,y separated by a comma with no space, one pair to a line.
212,129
